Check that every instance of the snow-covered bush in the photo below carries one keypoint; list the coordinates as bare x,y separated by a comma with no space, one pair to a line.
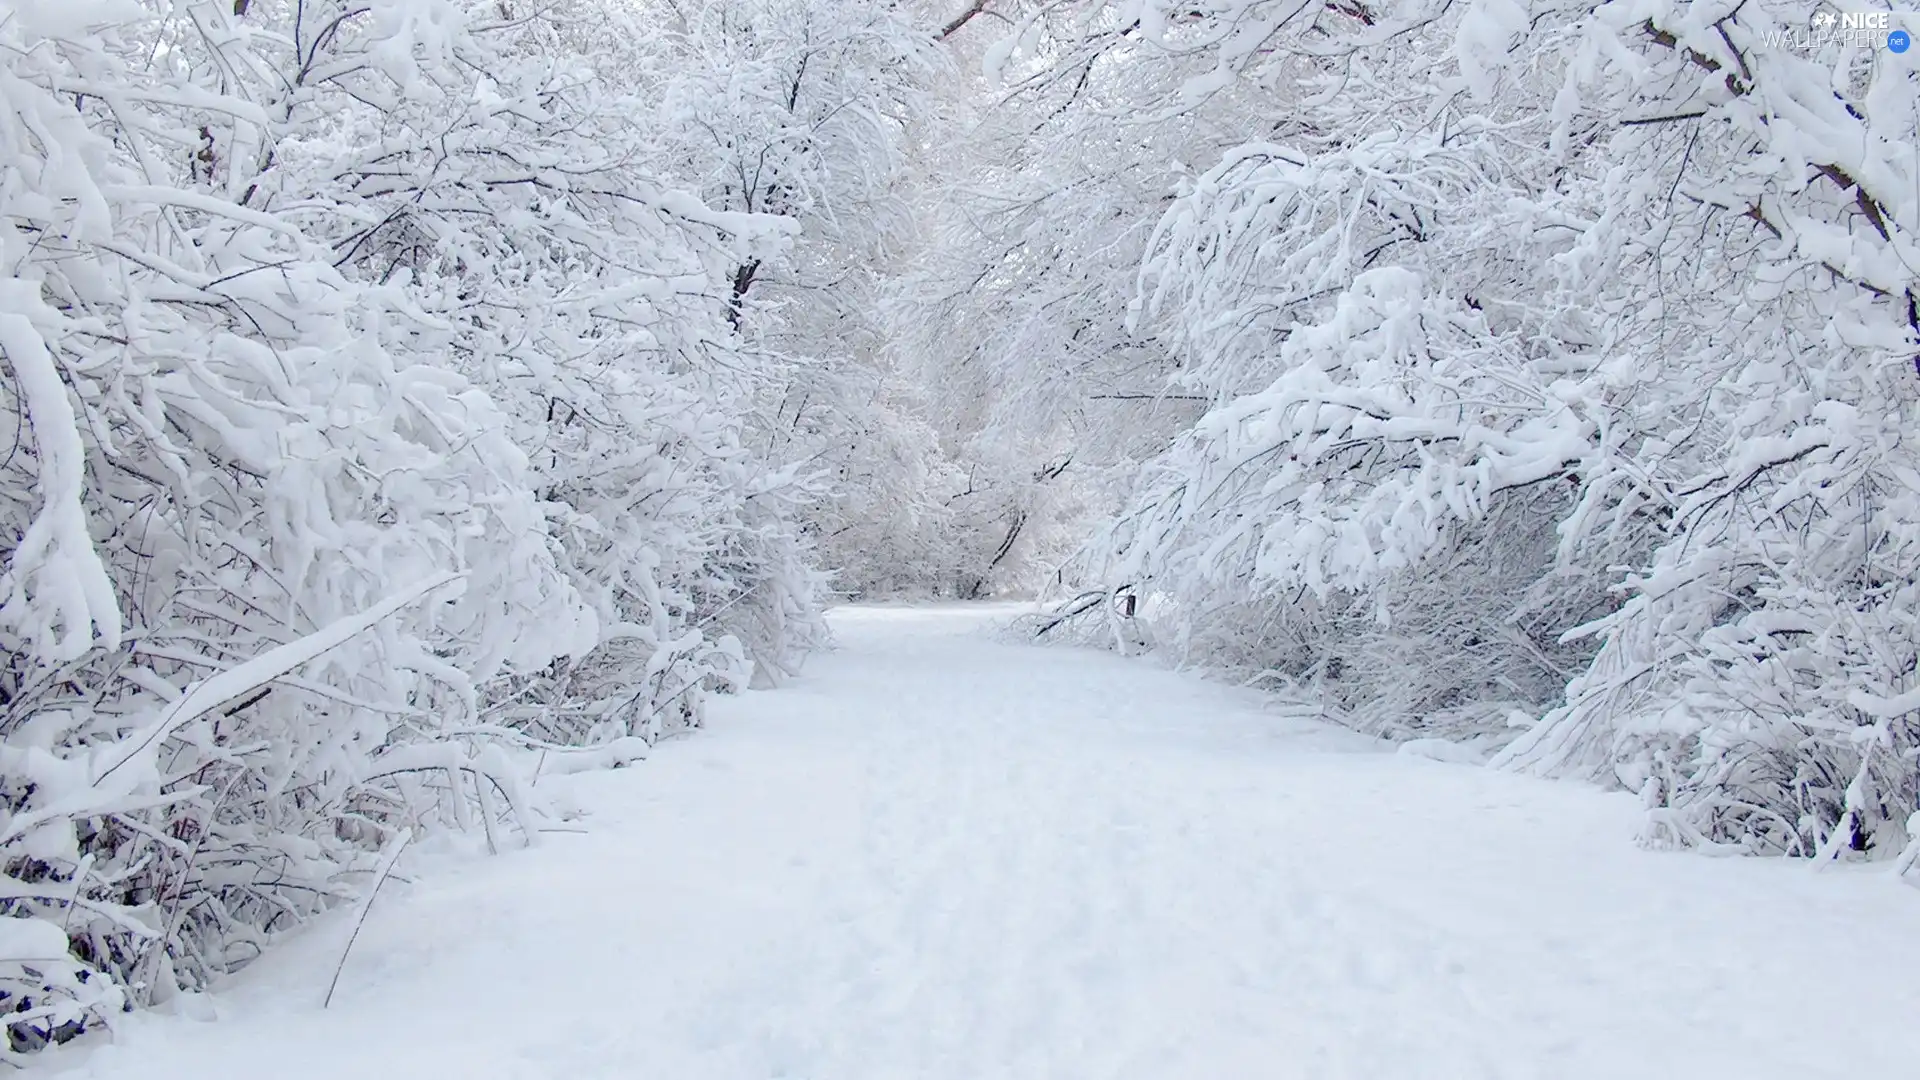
1404,478
511,187
231,494
1757,683
372,412
1557,361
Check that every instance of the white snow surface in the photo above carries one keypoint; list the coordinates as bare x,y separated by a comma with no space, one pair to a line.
940,855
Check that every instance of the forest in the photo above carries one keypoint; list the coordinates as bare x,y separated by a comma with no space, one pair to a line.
404,400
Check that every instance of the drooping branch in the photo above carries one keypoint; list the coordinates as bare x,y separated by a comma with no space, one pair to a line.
978,7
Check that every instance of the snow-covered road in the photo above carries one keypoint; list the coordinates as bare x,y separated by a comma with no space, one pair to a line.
940,856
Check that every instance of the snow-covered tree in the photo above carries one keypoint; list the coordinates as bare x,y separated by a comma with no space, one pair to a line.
1039,193
262,553
517,190
805,110
378,411
1556,360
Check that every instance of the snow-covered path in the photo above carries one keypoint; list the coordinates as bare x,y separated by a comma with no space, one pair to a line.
938,856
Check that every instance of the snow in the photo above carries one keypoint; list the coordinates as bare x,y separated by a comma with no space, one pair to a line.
53,565
938,854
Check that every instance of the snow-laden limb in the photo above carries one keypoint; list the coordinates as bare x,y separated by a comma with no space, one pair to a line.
1414,381
1387,486
54,591
237,681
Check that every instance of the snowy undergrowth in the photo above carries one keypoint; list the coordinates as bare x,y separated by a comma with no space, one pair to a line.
377,431
1557,361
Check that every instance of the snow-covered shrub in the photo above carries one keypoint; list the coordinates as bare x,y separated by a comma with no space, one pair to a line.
1399,484
512,185
1757,683
231,497
372,412
1559,362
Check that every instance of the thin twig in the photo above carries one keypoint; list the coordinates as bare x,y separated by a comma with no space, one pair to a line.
387,859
